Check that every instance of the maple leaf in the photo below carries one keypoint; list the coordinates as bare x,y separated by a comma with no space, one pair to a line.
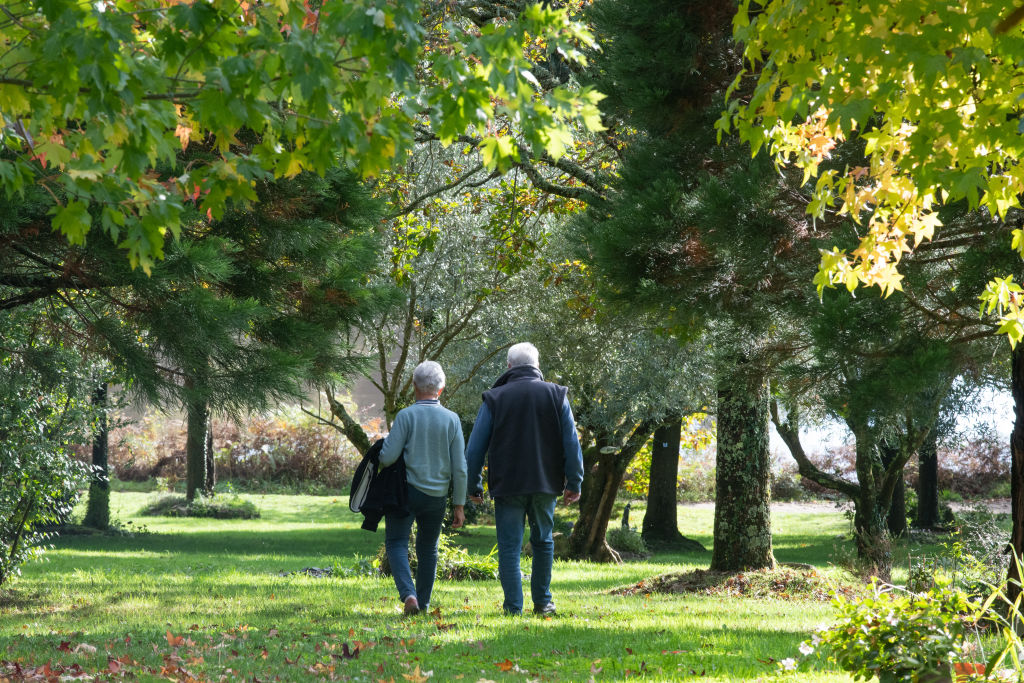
85,647
175,641
418,676
65,646
505,666
183,133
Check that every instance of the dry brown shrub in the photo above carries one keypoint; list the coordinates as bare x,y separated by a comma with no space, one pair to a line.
286,447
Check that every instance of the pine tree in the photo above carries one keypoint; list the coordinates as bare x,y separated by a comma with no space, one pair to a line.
699,233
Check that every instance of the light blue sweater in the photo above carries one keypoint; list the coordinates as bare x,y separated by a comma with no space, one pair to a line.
430,435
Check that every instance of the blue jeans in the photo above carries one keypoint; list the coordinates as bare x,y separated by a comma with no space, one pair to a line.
510,513
428,512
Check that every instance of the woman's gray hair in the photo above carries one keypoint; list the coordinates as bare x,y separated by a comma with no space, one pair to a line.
523,354
428,377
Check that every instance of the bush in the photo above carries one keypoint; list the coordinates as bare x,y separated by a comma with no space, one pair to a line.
177,506
971,465
284,450
947,496
897,636
626,540
972,560
454,563
697,476
39,480
786,483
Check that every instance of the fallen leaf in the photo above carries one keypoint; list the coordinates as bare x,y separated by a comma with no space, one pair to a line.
65,646
173,640
505,666
418,676
272,633
86,648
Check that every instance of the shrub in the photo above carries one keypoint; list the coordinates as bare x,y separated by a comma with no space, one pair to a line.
948,496
454,563
356,566
285,449
971,465
626,540
897,635
220,508
697,476
39,480
786,483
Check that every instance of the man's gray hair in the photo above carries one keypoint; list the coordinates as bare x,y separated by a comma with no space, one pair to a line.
428,377
523,354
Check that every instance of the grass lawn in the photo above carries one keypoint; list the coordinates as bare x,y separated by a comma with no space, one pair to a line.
204,598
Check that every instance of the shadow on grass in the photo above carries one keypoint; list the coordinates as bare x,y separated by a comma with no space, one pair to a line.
570,648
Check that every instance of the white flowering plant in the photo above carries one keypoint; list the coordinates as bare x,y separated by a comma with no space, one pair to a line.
897,635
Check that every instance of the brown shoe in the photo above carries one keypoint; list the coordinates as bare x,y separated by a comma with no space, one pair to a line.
411,606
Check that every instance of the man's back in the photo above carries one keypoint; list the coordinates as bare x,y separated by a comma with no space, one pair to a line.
526,451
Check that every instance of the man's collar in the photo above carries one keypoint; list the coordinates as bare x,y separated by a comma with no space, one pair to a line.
519,372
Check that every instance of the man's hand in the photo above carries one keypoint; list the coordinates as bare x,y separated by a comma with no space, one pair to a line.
459,518
477,498
570,497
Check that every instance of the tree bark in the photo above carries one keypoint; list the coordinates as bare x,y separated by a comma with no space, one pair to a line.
97,513
198,424
352,430
1013,588
896,519
928,482
661,523
588,536
211,465
870,531
742,532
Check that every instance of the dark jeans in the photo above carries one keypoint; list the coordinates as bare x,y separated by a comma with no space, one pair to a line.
428,513
510,514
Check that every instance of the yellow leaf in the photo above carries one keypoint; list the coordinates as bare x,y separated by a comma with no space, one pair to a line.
183,133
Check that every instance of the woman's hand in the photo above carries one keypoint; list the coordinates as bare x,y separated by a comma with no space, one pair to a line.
459,518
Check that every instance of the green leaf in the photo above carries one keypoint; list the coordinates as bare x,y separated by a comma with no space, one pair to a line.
73,221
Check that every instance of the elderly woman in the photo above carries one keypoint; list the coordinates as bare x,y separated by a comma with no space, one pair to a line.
430,436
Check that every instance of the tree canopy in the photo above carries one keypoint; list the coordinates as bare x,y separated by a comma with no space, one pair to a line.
98,99
928,89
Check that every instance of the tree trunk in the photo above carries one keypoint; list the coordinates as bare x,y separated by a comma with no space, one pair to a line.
198,419
661,523
872,536
211,466
1016,471
928,482
352,430
743,534
588,536
97,513
896,519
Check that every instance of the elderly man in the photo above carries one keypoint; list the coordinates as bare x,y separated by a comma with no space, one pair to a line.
526,427
430,437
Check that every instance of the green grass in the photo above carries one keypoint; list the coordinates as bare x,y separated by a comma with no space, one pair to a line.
216,583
